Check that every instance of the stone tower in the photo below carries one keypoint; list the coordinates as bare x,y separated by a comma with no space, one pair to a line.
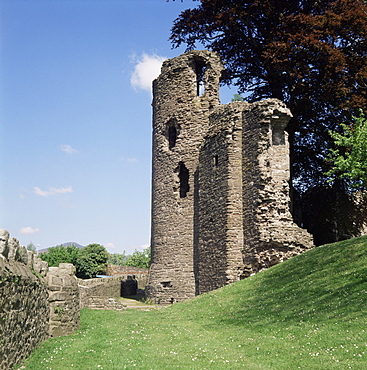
183,96
220,193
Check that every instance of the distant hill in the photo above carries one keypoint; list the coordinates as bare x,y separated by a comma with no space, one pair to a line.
72,243
64,245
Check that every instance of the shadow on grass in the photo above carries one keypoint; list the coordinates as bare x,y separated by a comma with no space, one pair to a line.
325,285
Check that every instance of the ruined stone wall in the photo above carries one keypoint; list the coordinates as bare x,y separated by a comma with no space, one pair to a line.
63,299
270,235
24,310
140,274
106,287
180,121
35,301
104,303
219,256
125,270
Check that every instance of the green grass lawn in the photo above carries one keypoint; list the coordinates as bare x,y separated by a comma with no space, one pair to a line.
306,313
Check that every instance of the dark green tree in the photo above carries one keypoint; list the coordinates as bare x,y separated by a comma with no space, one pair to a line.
60,254
92,260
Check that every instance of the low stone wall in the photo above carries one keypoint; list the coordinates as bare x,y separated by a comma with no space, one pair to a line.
100,287
24,312
103,303
125,270
35,302
139,274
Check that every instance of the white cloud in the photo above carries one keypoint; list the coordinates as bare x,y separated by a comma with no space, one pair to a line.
52,191
128,160
68,149
28,230
147,68
109,246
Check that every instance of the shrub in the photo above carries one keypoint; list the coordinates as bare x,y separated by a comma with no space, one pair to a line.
92,260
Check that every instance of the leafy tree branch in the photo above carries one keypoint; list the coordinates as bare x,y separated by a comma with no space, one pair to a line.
349,159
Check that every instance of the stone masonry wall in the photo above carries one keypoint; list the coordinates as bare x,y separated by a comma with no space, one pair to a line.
103,288
180,121
35,302
270,235
140,274
63,299
24,310
219,256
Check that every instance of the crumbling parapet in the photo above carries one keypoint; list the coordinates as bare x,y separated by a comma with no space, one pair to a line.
11,250
35,302
103,289
24,310
270,234
64,302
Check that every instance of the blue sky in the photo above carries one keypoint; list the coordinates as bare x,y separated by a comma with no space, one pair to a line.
75,111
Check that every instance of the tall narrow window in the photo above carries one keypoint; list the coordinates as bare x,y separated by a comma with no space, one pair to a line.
216,160
172,136
200,68
184,180
278,135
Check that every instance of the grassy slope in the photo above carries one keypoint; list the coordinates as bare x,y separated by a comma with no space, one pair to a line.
306,313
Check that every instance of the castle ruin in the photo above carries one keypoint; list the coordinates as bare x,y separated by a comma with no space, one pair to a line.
220,183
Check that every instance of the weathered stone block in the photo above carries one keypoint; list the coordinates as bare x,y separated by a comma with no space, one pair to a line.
13,245
30,258
58,296
2,263
37,263
44,268
4,237
23,254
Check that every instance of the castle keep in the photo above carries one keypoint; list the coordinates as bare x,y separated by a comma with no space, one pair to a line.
220,192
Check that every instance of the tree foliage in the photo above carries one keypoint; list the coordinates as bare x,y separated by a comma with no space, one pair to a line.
92,260
31,247
237,97
136,259
60,254
118,259
139,259
349,159
310,54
